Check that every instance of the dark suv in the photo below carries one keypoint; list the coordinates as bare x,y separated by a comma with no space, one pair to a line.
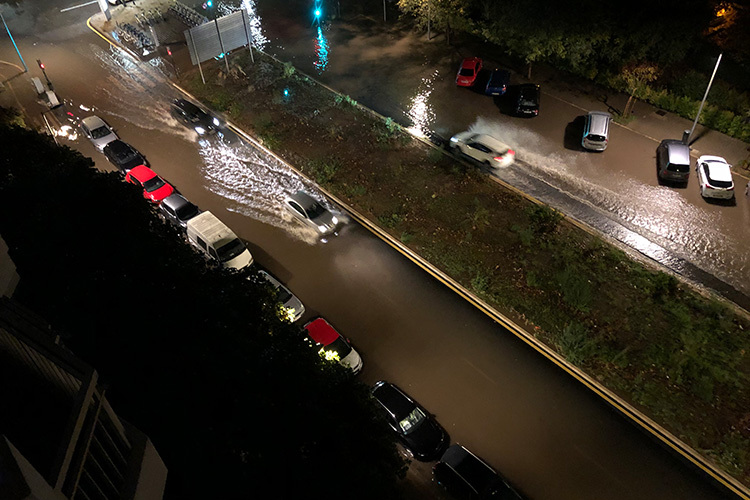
178,210
194,117
123,156
527,102
467,477
414,425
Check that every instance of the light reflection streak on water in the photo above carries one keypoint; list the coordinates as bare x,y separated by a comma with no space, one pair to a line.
321,50
254,21
656,214
420,111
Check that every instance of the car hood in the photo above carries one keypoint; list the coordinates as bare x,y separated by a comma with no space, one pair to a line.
461,136
324,219
242,260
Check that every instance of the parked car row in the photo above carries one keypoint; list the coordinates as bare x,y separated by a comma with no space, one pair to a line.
713,172
458,470
527,97
209,235
672,156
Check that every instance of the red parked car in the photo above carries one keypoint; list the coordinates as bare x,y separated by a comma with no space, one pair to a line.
467,73
154,187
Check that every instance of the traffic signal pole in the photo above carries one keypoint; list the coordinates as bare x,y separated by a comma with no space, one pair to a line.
41,66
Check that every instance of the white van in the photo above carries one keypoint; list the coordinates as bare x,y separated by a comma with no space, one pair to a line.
216,240
596,131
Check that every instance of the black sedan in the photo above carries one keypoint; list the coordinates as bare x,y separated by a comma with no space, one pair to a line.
416,428
194,117
123,156
527,102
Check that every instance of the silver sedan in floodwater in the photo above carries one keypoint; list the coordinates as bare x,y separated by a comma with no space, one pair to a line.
311,212
98,132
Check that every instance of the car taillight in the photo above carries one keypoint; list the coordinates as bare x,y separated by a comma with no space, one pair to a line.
498,158
511,152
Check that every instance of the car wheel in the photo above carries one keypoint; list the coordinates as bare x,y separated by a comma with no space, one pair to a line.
487,164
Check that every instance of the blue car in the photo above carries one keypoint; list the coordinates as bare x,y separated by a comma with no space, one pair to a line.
498,82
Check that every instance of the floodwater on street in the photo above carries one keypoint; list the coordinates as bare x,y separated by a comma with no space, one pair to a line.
413,82
552,437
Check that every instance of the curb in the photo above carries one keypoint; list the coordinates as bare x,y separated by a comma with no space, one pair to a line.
608,396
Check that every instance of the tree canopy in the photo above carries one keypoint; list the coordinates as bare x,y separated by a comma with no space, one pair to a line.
197,357
584,37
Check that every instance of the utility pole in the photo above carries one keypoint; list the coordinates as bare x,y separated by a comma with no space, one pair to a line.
690,133
25,68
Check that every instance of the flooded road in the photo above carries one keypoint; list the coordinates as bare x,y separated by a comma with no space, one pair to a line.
542,429
413,81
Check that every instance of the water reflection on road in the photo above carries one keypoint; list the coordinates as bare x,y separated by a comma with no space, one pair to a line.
655,215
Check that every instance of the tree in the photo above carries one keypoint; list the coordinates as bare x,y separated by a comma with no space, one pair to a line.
197,357
637,76
445,15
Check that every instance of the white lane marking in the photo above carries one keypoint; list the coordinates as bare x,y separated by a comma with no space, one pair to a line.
78,6
480,371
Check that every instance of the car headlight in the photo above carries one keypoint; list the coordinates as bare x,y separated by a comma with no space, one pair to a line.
454,139
216,122
335,220
322,228
200,130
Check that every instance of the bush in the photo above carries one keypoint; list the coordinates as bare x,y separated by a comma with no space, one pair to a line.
543,219
576,344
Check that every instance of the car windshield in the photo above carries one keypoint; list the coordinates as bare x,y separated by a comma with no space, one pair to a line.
100,132
315,210
466,72
412,420
596,138
283,294
528,101
230,249
340,347
187,211
153,184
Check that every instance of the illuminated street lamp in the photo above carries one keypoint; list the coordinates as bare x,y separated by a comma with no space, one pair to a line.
686,136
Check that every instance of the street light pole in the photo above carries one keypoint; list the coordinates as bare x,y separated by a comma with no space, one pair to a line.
690,134
25,68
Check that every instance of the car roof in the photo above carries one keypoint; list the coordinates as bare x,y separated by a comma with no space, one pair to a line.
118,146
491,142
187,105
93,122
321,331
717,167
304,199
393,399
175,201
678,151
142,173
